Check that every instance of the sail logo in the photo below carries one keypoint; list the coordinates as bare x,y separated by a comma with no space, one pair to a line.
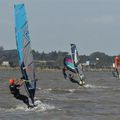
26,32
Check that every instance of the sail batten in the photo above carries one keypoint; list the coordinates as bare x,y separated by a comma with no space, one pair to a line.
24,50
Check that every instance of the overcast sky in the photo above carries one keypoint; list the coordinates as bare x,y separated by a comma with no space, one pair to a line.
93,25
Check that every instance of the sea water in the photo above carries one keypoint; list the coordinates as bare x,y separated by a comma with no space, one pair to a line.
59,99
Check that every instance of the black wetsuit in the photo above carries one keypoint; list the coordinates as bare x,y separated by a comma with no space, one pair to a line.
15,91
64,73
73,80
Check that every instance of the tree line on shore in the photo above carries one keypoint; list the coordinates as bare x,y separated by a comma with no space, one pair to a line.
55,59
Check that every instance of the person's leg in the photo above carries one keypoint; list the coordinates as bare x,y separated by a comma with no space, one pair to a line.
117,72
74,81
23,98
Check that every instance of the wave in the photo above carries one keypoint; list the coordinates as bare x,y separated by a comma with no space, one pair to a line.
94,86
60,90
39,107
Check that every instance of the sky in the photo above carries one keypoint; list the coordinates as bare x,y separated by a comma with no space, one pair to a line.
93,25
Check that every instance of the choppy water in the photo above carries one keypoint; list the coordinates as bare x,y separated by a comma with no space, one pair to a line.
59,99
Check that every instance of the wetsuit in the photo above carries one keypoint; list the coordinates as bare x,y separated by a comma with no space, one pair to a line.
73,80
117,64
15,91
64,73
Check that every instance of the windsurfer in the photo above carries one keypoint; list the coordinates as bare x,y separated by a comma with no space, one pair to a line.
71,77
15,90
73,80
81,82
64,72
24,50
117,65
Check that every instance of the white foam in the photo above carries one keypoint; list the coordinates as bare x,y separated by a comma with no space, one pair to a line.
94,86
39,107
17,108
59,89
71,90
50,89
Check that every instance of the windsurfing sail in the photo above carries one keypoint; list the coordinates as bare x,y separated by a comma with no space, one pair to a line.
24,50
74,54
76,61
72,67
116,68
69,63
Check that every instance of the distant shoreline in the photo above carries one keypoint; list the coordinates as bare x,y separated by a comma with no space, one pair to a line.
56,69
37,69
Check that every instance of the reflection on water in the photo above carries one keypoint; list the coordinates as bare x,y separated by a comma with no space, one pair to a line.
60,99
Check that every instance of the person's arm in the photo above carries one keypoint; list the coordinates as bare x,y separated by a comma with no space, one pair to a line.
19,82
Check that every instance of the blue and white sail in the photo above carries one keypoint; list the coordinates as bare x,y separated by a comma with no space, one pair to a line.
24,50
74,54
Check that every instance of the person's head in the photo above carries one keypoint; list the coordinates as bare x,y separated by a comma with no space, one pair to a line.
11,81
116,57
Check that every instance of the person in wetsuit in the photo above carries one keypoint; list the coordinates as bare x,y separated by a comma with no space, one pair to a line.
14,89
71,77
81,82
64,72
117,65
73,80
